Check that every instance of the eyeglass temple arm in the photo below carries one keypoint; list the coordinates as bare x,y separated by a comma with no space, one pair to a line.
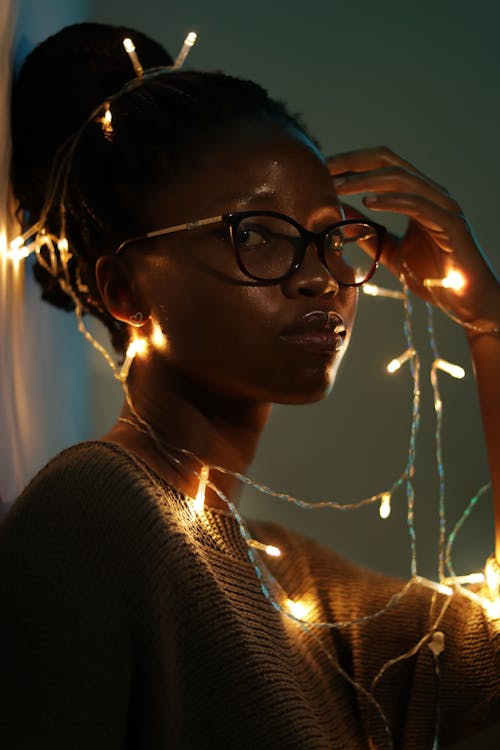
170,230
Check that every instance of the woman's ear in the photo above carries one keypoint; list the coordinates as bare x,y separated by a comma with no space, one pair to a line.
119,292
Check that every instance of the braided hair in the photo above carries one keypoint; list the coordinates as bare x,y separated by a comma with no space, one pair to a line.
157,122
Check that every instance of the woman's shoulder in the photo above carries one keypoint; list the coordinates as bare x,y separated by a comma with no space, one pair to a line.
91,484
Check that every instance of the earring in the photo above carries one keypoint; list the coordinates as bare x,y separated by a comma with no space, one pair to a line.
136,318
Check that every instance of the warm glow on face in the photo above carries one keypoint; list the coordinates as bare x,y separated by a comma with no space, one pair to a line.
158,338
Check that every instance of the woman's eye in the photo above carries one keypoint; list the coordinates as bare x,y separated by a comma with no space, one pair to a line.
335,242
250,238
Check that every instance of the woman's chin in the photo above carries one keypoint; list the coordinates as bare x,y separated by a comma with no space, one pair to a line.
310,386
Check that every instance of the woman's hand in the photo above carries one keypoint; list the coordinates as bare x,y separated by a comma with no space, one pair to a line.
438,238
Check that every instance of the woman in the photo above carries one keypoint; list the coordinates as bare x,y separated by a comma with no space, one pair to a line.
133,620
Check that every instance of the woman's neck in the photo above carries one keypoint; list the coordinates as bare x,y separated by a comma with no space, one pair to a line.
219,431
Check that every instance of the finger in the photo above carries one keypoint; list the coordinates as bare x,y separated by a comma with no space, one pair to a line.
363,160
442,225
392,180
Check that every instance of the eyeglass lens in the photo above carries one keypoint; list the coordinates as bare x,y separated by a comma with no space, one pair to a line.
268,246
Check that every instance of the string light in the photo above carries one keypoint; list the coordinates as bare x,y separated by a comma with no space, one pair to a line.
199,501
453,280
269,549
492,576
107,121
185,50
130,50
377,291
454,370
463,580
298,608
137,346
395,364
385,505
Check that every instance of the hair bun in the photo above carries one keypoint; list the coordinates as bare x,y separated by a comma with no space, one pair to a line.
60,83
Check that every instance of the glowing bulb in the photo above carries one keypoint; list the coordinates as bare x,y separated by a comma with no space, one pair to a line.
138,346
378,291
454,370
17,254
436,644
385,505
453,280
492,576
296,608
158,338
17,243
269,549
493,609
395,364
199,501
185,50
107,121
130,50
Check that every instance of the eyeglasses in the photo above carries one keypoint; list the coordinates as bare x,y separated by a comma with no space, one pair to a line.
270,246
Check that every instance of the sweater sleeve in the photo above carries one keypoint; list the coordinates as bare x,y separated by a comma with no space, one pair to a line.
466,695
65,614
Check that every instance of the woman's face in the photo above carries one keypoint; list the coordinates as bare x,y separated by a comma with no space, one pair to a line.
224,330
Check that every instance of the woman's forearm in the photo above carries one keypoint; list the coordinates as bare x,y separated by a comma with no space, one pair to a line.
485,351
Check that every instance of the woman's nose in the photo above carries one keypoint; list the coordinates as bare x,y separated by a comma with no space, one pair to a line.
312,278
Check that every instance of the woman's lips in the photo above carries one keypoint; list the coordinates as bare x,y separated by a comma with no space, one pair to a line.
318,330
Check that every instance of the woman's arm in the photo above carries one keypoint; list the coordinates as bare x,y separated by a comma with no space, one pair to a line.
485,351
438,240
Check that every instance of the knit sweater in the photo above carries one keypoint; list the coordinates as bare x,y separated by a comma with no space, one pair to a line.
129,622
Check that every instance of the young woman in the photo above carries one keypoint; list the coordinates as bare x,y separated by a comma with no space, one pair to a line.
129,620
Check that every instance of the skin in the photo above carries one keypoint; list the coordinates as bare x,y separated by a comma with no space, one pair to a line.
211,390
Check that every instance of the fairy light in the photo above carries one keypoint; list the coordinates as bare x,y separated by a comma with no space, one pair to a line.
297,608
377,291
189,41
199,501
492,576
453,280
463,580
395,364
138,346
106,121
385,505
269,549
454,370
130,50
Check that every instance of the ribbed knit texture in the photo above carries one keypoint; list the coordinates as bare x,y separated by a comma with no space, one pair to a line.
126,622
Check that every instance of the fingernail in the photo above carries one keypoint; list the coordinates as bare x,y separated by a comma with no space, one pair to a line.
338,181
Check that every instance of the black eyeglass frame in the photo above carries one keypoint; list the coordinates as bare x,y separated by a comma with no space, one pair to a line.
233,220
